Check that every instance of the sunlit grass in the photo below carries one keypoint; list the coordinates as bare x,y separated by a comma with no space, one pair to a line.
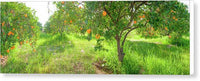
73,53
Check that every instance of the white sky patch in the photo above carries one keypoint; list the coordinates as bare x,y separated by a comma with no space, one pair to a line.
42,9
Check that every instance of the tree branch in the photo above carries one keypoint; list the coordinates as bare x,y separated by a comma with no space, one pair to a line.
132,15
127,35
109,15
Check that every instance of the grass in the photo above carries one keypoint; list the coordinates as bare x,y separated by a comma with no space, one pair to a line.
73,53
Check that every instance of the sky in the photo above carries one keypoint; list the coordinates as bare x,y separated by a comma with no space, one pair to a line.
42,9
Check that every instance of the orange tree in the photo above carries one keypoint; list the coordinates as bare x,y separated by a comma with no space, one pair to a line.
68,17
18,25
116,19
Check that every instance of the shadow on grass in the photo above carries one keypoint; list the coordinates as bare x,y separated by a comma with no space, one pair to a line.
56,44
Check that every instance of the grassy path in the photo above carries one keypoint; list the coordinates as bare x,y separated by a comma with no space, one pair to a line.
74,54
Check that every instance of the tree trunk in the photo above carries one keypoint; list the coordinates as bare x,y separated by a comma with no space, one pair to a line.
119,49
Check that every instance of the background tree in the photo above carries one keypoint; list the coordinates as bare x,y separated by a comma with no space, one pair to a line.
117,19
66,18
18,24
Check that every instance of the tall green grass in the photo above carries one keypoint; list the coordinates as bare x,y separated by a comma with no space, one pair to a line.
73,53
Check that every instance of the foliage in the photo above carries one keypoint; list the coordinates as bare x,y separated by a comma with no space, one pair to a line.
18,24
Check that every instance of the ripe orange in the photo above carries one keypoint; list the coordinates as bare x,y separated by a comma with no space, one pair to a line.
170,36
104,13
17,37
172,11
62,2
174,17
166,28
65,21
89,31
1,56
25,15
32,27
11,11
3,23
13,28
20,43
8,51
135,22
30,44
97,36
152,28
12,33
12,47
81,28
9,33
79,6
26,41
70,21
143,16
34,50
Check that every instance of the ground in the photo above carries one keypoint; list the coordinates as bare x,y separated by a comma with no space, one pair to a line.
74,54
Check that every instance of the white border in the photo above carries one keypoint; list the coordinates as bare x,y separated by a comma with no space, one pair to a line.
191,38
191,29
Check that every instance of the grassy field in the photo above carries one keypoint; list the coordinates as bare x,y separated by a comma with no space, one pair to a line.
74,54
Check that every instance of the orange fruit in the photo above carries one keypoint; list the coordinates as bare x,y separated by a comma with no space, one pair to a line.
97,36
62,2
13,28
26,41
12,47
79,6
3,23
34,50
172,11
104,13
17,37
11,11
65,21
25,15
135,22
152,28
30,44
81,28
89,31
20,43
9,33
32,27
174,17
166,28
12,33
8,51
70,21
170,36
143,16
1,56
